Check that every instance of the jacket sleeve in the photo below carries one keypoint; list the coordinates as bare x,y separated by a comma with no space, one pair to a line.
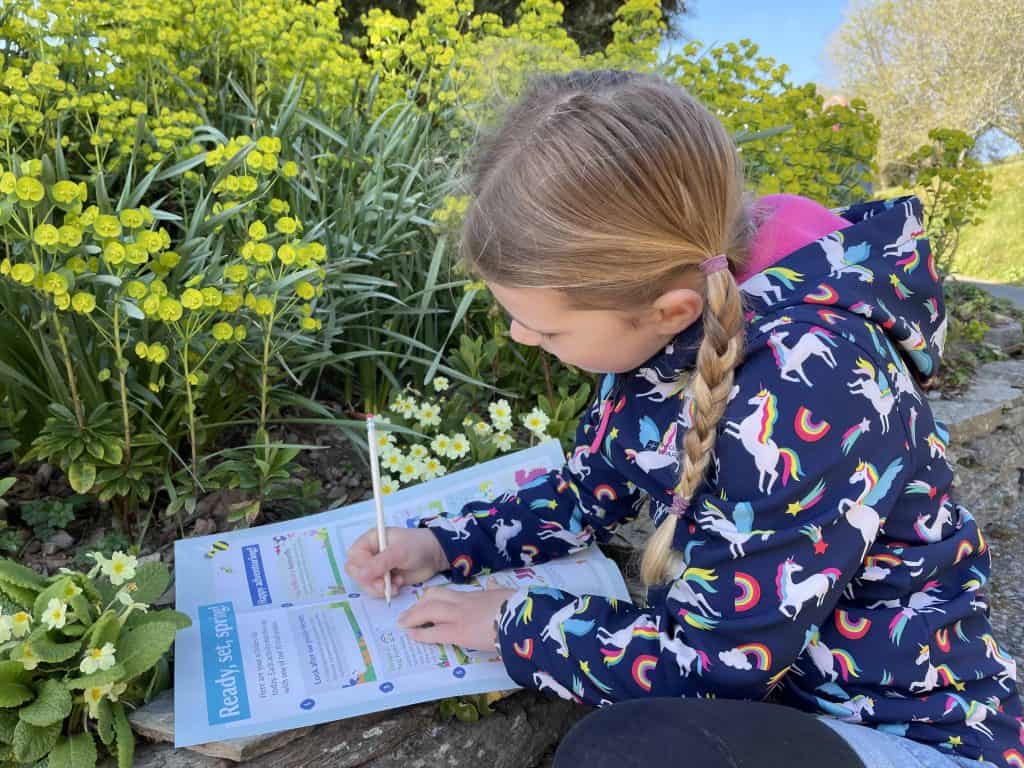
552,515
802,478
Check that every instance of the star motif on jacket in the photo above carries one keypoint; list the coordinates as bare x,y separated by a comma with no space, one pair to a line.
820,546
955,741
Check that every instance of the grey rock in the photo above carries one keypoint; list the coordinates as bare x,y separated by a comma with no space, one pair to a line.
993,400
43,475
1006,336
60,541
524,727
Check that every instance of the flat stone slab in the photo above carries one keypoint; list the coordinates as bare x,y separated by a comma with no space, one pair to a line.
523,728
993,400
155,722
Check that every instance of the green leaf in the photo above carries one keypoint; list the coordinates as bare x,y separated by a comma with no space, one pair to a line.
96,679
151,580
6,483
141,648
31,742
52,705
20,576
105,630
82,476
23,596
177,618
78,751
8,720
125,738
105,722
14,694
49,650
14,672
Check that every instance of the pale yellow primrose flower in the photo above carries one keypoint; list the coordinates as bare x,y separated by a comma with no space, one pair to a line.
120,568
56,614
21,624
96,659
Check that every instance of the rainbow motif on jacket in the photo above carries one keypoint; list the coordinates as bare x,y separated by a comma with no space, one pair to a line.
849,628
463,564
643,666
758,653
750,591
825,294
807,429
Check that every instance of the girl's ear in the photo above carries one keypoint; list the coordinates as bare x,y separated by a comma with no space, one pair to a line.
676,310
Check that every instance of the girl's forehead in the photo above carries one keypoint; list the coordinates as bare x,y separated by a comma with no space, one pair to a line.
538,308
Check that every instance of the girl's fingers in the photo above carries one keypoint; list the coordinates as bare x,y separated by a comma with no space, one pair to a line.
429,611
439,633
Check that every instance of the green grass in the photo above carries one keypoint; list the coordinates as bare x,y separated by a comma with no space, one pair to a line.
994,249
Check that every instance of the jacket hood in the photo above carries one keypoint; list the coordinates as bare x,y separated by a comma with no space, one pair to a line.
881,268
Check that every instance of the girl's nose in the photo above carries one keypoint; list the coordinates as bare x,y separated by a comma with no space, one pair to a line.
522,335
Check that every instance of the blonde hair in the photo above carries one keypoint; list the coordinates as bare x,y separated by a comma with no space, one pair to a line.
608,185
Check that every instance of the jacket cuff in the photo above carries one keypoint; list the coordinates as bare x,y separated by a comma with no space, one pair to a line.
463,566
520,621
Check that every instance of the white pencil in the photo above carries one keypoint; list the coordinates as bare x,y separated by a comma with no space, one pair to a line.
378,499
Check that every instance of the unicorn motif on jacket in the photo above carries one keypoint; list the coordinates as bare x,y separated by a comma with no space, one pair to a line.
761,284
737,531
902,382
682,592
755,433
860,512
975,712
661,389
906,243
562,623
685,655
932,532
793,595
1006,661
791,359
875,388
933,674
825,659
842,260
665,455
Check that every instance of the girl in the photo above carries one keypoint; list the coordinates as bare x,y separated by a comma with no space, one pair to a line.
808,550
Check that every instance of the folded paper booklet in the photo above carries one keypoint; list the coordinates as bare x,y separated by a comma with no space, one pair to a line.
281,637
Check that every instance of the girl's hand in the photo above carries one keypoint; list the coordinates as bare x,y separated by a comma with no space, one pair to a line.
465,619
412,555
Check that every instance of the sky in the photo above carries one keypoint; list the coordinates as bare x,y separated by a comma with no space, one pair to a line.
793,32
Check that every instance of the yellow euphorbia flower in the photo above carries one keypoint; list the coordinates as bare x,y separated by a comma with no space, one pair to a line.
46,236
107,226
191,299
223,331
83,302
23,273
29,190
131,218
171,310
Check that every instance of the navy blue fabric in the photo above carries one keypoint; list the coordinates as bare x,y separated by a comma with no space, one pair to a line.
825,563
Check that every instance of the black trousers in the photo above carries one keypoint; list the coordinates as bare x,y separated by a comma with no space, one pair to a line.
702,733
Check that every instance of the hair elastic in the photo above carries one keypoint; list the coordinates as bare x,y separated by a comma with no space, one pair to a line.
714,264
679,506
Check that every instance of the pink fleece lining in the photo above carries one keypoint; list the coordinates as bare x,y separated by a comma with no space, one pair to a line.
787,223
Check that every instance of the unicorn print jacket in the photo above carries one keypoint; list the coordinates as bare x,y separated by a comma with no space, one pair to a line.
825,563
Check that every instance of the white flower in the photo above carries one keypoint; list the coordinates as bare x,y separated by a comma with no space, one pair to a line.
468,421
404,406
28,659
459,446
440,445
503,441
500,411
120,567
97,658
440,384
21,623
429,415
503,425
536,421
93,697
419,451
410,470
5,628
433,468
388,485
56,614
482,428
384,441
101,563
113,690
391,459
